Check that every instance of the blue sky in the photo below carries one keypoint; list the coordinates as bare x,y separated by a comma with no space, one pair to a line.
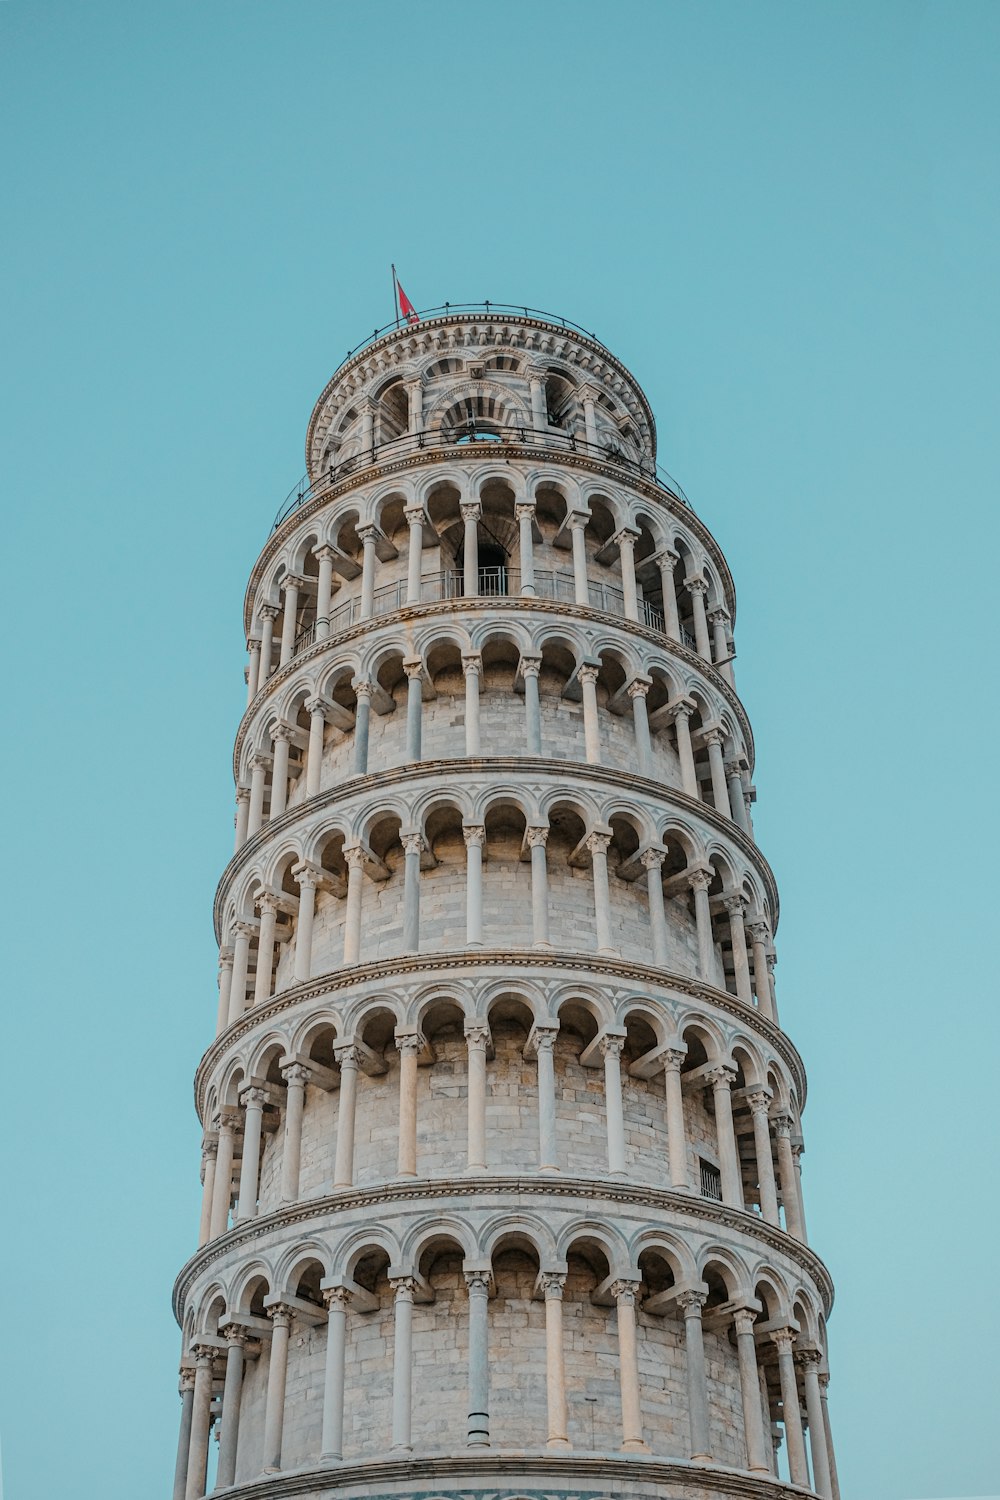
783,217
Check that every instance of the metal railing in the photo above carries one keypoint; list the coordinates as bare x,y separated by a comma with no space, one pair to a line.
469,435
492,309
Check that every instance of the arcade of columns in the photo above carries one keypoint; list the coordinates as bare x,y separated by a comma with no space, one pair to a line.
502,1160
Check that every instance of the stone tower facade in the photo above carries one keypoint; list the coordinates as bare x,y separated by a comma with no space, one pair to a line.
501,1186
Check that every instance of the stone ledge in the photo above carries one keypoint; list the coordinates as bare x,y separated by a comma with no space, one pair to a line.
514,1188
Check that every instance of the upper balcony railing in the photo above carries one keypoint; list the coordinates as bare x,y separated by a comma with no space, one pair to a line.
462,309
474,434
494,583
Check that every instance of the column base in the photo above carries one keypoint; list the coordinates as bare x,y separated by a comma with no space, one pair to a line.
635,1445
563,1444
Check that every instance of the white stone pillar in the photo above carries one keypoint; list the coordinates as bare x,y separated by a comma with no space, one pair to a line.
589,417
242,816
201,1422
236,1339
277,1376
735,904
552,1283
308,878
281,738
721,1079
296,1077
402,1361
415,521
760,939
337,1300
477,1038
681,712
268,615
414,406
478,1283
537,839
791,1414
758,1102
787,1177
544,1039
259,765
471,511
525,514
343,1168
253,1102
808,1361
737,800
667,562
652,862
624,1293
408,1046
625,541
475,838
824,1381
673,1060
209,1152
414,669
698,588
720,790
591,722
243,932
265,947
472,665
362,719
412,848
719,619
637,690
798,1148
324,590
253,667
225,989
691,1304
369,537
611,1050
753,1416
290,586
578,528
223,1174
539,412
530,667
186,1393
597,845
314,754
699,880
355,859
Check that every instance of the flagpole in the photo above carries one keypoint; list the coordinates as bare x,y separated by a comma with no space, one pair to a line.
395,296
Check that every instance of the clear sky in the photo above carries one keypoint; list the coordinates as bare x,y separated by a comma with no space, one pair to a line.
784,218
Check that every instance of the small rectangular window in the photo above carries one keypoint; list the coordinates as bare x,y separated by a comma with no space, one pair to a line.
711,1181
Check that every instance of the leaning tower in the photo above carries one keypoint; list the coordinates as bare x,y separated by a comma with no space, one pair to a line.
501,1164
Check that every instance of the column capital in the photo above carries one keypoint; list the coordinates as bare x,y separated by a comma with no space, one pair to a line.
524,510
743,1320
413,843
536,837
403,1287
639,687
295,1073
719,615
267,901
735,903
229,1119
269,611
477,1035
691,1301
612,1046
783,1126
784,1338
472,663
282,731
474,835
308,876
624,1292
413,666
551,1284
722,1075
415,515
185,1381
652,859
293,581
471,510
354,857
578,519
369,533
226,957
681,708
588,671
204,1354
336,1298
324,552
209,1147
529,666
478,1280
667,557
347,1055
758,1100
627,536
714,735
247,929
409,1043
696,585
260,761
315,705
242,794
597,843
700,878
254,1098
364,689
807,1356
234,1333
759,930
673,1059
543,1038
280,1314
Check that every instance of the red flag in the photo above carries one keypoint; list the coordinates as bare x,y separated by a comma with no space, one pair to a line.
406,307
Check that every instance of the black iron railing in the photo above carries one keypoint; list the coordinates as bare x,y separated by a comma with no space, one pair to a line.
491,309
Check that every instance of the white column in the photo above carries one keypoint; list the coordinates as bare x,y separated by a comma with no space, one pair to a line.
797,1150
343,1170
691,1304
625,540
337,1299
477,1038
472,664
719,619
324,590
787,1176
402,1361
369,537
223,1174
667,562
265,947
737,799
412,847
628,1366
824,1381
537,839
236,1338
721,1079
209,1151
760,939
268,615
699,880
186,1392
415,521
281,738
525,514
544,1039
308,878
578,525
362,718
414,669
253,1102
367,412
408,1046
637,690
225,989
681,712
589,417
277,1375
296,1077
552,1283
808,1360
530,667
475,838
478,1283
758,1102
259,765
471,511
673,1060
414,406
242,815
243,932
253,667
652,862
539,414
201,1422
698,588
720,790
355,859
611,1051
597,845
314,754
591,724
735,905
753,1416
290,586
791,1414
